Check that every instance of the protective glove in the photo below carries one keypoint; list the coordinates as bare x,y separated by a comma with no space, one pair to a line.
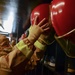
37,29
47,37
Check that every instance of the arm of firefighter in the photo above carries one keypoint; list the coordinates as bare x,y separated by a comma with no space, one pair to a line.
37,55
21,53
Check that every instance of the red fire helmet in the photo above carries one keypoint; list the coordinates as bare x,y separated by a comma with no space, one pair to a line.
42,11
63,18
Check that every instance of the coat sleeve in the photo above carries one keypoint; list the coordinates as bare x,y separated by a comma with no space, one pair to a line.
15,61
37,56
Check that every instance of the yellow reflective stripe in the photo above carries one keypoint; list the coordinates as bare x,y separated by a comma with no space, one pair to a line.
39,45
24,49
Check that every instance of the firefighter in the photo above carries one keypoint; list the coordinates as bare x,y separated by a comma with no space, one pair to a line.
63,22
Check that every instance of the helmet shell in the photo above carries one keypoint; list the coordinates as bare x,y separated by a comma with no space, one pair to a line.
63,17
42,11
